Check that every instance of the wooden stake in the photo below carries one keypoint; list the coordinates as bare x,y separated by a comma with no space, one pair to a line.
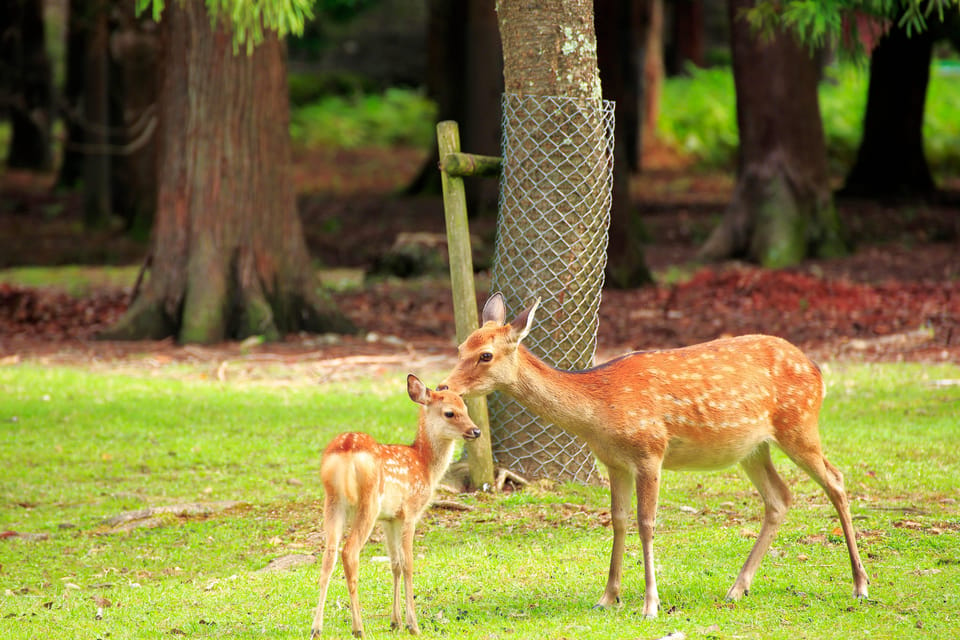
479,453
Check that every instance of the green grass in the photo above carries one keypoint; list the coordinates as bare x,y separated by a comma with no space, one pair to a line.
78,446
698,115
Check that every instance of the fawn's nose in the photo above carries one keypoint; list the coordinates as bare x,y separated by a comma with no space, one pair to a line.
474,434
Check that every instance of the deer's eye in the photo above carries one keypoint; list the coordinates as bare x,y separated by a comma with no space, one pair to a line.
486,356
448,414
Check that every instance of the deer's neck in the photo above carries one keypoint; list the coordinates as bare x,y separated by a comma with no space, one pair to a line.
565,398
436,453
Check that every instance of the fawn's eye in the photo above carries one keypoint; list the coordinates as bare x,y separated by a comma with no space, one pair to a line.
448,414
486,356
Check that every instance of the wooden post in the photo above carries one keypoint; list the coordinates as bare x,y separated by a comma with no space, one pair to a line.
479,454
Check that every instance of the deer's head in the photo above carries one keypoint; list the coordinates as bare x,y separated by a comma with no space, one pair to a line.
488,359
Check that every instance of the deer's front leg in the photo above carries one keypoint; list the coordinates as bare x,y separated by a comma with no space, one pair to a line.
621,488
411,613
392,537
648,491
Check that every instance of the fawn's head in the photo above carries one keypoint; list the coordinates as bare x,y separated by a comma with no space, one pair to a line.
445,413
488,359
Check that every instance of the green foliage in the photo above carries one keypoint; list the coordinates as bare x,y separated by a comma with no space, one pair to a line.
838,23
78,446
698,115
395,117
247,19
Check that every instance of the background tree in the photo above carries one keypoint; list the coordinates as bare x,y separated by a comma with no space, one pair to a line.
26,89
891,159
622,29
228,256
782,208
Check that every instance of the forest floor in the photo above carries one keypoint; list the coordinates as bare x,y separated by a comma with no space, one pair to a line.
895,297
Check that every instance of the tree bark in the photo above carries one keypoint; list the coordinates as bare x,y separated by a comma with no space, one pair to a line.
27,76
782,209
891,161
229,258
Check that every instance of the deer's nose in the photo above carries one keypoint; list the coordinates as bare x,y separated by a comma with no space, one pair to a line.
474,434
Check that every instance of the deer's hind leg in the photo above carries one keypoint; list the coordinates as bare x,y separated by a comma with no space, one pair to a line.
333,518
776,500
363,523
812,461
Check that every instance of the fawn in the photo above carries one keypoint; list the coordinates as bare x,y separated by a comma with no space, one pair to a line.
390,483
706,406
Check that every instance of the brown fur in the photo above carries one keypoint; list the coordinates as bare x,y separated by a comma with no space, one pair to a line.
706,406
389,483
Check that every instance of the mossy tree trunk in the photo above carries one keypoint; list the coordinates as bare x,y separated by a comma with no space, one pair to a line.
782,208
229,258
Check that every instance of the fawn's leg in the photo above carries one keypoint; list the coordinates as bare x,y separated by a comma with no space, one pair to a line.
363,524
411,614
393,536
776,500
648,492
621,489
333,516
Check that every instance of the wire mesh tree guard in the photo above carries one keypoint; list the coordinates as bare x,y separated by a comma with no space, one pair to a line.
555,196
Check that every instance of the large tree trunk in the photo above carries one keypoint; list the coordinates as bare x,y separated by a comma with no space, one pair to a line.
229,258
782,209
891,160
622,28
27,76
552,228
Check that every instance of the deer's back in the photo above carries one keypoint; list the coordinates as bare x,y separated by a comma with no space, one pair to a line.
704,406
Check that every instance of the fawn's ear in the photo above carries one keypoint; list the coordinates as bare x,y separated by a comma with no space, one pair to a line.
522,323
417,391
494,310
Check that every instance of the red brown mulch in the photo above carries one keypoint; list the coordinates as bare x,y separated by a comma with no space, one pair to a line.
896,298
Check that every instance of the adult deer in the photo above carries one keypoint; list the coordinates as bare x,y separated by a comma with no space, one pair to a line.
706,406
390,483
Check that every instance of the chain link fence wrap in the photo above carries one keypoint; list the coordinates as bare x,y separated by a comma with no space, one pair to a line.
555,196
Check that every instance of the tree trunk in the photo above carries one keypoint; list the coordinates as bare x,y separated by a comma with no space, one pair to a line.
464,77
134,49
891,161
782,210
688,35
229,258
621,37
28,79
78,26
552,229
97,157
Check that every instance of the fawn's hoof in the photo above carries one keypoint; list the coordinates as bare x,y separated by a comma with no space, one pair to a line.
603,606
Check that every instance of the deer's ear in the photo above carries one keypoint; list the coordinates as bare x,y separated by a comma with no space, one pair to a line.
417,391
522,323
494,310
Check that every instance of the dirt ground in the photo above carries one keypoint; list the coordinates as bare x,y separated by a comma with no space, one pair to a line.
896,297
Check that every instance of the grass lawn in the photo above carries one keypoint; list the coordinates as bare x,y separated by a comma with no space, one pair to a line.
78,447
